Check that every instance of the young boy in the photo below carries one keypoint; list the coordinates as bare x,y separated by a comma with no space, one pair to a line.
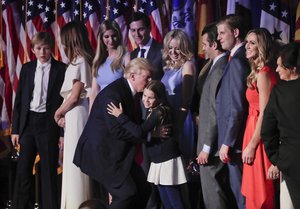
33,124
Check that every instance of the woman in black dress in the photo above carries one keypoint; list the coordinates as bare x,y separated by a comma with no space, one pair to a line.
280,127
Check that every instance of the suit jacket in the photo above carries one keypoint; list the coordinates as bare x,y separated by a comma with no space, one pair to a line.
105,150
231,103
25,93
155,57
280,128
207,127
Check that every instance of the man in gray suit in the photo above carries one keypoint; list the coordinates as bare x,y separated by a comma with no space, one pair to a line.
213,172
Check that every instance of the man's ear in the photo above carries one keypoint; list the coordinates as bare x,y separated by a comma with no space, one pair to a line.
132,76
32,51
215,45
236,32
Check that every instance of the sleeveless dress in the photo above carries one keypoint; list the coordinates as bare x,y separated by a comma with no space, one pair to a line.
75,184
172,80
259,191
106,75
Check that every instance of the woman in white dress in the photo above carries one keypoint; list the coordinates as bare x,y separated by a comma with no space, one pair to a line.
73,113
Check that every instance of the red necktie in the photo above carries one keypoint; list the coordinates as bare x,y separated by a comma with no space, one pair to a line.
229,58
138,156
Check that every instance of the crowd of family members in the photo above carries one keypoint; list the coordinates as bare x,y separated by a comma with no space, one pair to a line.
126,122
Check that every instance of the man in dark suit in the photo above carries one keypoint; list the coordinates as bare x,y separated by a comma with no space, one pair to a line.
231,104
212,174
33,125
106,151
140,28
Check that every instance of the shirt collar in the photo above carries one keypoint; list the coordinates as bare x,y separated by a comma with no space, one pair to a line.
133,92
235,48
39,64
147,45
218,57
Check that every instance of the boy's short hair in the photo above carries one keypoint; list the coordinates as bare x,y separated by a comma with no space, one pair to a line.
42,37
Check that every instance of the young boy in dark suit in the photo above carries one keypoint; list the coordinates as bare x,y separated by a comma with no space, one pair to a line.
33,124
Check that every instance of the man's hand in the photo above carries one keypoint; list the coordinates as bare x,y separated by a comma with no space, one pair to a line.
15,139
202,158
223,153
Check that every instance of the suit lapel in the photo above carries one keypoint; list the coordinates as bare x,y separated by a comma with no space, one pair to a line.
31,71
134,53
129,98
152,51
52,77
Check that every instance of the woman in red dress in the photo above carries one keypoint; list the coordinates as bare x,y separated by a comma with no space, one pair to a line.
258,190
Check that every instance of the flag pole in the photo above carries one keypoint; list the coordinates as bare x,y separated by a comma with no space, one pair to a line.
56,32
1,50
80,7
107,10
136,5
26,32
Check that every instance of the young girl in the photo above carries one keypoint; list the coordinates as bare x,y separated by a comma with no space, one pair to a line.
166,169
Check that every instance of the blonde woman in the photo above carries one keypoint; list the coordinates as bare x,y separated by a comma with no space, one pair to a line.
259,52
110,58
179,80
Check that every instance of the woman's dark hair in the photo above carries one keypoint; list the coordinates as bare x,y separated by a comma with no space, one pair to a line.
290,56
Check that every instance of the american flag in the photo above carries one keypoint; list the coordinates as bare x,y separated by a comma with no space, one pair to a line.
276,17
118,10
62,15
9,38
150,8
91,19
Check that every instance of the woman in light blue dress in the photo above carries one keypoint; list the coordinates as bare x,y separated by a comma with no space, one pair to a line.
110,58
179,80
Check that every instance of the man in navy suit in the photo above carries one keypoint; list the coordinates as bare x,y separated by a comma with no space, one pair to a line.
33,124
140,28
231,104
106,151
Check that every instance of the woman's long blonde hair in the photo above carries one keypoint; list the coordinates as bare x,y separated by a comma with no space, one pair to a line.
101,51
266,53
185,46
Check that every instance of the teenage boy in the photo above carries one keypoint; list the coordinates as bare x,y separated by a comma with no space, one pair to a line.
33,127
